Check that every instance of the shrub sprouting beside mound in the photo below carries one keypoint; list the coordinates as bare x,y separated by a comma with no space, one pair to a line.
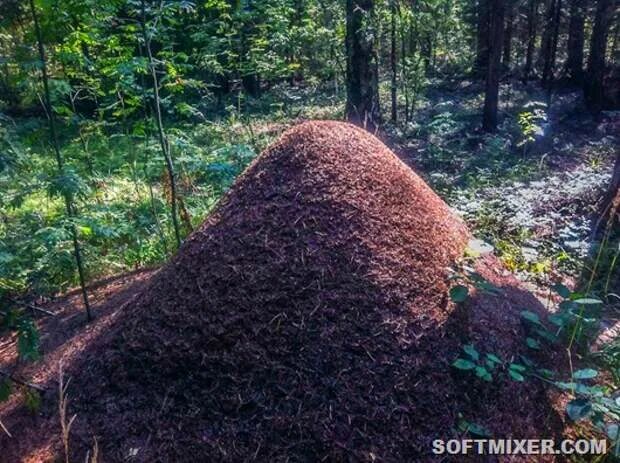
308,319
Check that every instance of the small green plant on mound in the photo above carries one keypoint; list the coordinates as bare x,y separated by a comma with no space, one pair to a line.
593,400
482,366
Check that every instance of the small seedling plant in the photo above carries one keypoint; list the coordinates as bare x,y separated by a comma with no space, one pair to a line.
591,400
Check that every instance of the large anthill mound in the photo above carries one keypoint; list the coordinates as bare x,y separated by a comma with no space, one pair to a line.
307,320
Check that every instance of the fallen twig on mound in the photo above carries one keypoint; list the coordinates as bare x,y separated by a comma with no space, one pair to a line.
6,374
31,306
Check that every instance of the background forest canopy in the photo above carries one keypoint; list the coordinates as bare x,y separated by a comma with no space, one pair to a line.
123,121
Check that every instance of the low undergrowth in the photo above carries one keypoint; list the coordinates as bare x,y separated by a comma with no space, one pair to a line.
589,371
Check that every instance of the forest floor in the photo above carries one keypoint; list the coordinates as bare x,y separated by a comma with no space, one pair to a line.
64,336
533,199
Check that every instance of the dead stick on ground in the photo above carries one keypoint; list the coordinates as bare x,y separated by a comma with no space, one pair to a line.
22,382
31,307
5,429
63,402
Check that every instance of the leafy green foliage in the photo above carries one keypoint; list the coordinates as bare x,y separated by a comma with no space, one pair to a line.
530,124
463,364
587,373
597,404
482,366
459,293
27,339
578,409
516,371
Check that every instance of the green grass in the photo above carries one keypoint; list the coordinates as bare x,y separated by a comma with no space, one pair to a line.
117,176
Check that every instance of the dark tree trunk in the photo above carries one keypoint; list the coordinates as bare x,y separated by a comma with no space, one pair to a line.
482,35
546,31
251,84
70,207
403,62
532,23
594,91
250,80
491,98
507,52
394,112
574,61
362,105
551,42
163,139
426,51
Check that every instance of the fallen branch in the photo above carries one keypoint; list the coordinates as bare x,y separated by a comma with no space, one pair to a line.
6,374
5,429
31,307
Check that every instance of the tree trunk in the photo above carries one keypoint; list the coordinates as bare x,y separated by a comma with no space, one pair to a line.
362,105
532,23
574,61
546,31
507,52
551,41
394,112
59,160
491,98
598,45
426,51
403,63
163,140
482,34
251,84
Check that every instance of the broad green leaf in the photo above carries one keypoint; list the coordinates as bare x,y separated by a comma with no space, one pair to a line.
471,351
483,373
558,319
587,373
463,364
530,317
566,386
561,290
515,375
459,293
494,358
587,301
532,343
578,409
